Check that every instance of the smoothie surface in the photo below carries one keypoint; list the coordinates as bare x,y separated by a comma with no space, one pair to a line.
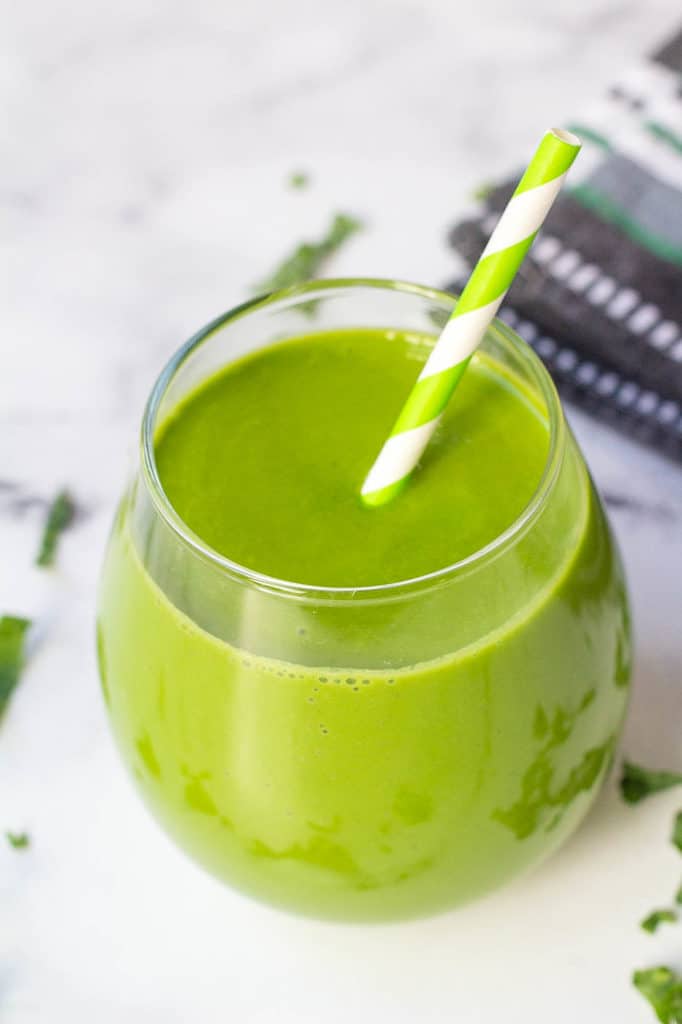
265,460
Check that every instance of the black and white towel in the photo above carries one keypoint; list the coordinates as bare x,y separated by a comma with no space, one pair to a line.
599,296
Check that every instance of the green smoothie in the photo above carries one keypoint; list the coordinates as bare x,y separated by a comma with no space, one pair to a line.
340,754
266,461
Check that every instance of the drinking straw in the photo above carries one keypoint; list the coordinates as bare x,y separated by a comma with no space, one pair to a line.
490,279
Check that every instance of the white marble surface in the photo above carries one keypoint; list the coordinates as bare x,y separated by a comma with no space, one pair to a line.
144,153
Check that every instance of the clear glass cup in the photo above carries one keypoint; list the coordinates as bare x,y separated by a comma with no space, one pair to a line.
373,752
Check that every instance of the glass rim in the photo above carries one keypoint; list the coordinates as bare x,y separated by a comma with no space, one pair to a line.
290,588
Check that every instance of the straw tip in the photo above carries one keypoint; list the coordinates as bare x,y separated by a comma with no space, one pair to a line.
565,136
375,498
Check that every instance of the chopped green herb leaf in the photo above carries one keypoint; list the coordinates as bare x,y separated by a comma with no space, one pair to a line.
306,260
656,917
677,831
12,633
18,840
60,516
678,896
483,191
637,783
299,179
663,988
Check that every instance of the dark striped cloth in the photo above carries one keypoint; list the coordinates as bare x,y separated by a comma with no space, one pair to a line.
600,295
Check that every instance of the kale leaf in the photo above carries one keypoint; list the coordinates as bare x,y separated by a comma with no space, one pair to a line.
12,634
60,516
637,783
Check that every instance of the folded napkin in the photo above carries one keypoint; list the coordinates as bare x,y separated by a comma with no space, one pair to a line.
599,296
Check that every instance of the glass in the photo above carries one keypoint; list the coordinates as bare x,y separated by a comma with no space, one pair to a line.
367,753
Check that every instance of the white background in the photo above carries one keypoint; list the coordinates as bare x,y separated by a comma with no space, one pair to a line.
145,149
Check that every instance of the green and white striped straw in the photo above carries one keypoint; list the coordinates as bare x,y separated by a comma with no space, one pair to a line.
476,307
